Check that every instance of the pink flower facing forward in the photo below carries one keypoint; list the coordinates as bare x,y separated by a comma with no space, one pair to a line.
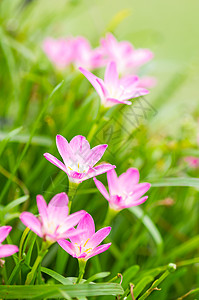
124,191
85,56
85,245
6,250
113,90
53,222
192,161
59,51
79,159
127,58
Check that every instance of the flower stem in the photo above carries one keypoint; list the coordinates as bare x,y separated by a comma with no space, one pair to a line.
31,275
71,193
111,213
82,266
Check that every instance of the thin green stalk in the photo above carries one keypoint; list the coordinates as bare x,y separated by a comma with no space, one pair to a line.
31,275
71,193
82,266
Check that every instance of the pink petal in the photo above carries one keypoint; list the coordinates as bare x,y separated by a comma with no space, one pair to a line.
67,246
55,161
137,202
58,208
113,101
87,224
141,56
31,222
104,92
112,182
101,188
98,250
134,93
140,189
111,75
95,154
92,78
98,237
97,170
72,220
64,149
4,231
147,82
80,146
128,179
128,81
7,250
42,208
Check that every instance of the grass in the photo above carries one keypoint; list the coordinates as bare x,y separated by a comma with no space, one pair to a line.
37,102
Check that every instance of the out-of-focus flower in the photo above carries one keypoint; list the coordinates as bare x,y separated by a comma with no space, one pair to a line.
6,250
113,90
53,222
85,245
192,161
147,82
79,159
128,59
125,190
59,51
85,56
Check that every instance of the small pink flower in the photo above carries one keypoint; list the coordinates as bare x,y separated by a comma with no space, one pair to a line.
125,190
85,245
147,82
53,222
6,250
85,56
59,51
192,161
113,90
79,159
127,58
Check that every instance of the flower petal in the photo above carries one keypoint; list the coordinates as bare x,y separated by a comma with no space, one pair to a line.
112,182
98,237
97,170
7,250
113,101
92,78
31,222
80,147
4,231
111,75
71,221
67,246
98,250
128,179
64,149
101,188
58,208
140,189
87,224
42,208
95,154
55,161
134,202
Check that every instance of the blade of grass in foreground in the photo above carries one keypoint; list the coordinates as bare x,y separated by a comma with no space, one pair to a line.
6,187
28,292
178,181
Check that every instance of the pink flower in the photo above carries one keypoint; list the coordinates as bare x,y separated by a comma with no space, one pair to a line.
127,58
84,245
6,250
113,90
79,159
124,191
59,51
192,161
53,222
85,56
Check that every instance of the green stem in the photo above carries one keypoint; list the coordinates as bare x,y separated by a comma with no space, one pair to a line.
96,124
71,193
82,266
31,275
111,213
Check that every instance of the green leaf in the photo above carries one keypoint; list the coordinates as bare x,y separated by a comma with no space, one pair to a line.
75,290
180,181
56,276
97,276
15,203
140,286
150,226
5,137
129,274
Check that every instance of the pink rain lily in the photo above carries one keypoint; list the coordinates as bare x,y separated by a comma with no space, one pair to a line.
192,161
53,222
79,159
85,56
85,245
113,90
6,250
59,51
127,58
125,190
